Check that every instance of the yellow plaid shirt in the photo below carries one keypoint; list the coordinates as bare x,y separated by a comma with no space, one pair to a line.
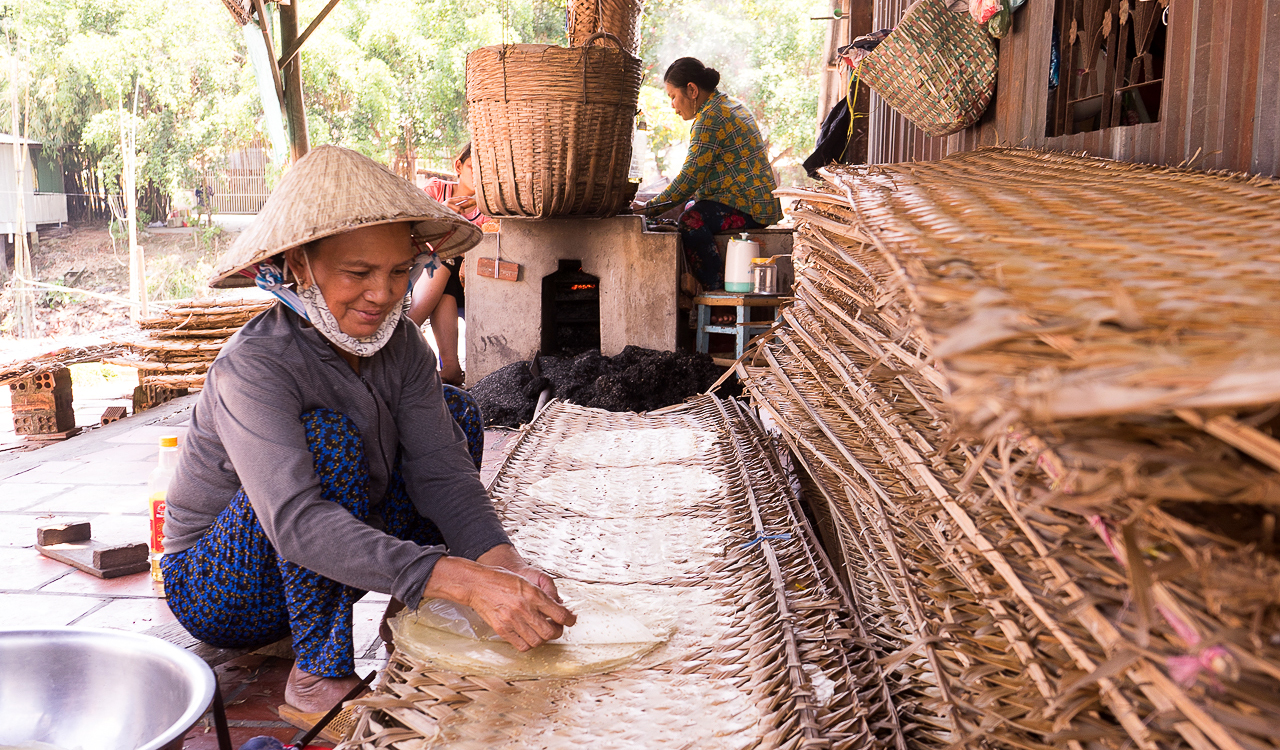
727,162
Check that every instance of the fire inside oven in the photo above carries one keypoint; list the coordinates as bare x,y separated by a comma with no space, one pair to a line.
570,310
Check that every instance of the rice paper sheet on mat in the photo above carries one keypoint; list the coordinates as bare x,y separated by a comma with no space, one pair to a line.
718,620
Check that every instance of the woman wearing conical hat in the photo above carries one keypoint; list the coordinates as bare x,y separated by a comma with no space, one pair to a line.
322,461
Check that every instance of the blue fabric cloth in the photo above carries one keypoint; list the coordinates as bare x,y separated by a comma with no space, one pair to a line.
699,225
232,590
466,412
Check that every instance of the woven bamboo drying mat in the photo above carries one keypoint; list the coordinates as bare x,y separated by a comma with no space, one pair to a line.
1060,286
692,505
1095,583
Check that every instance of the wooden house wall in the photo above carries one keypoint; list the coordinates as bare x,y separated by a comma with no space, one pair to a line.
1220,108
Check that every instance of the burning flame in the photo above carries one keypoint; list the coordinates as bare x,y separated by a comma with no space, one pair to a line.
581,287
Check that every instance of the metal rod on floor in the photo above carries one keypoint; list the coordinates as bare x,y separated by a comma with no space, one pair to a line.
314,731
220,717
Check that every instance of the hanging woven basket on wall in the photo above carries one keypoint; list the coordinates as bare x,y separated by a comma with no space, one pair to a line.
551,128
618,17
937,68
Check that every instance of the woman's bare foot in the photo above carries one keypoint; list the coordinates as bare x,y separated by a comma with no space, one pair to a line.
310,693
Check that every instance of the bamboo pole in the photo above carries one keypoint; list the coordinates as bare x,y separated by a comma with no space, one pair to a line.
137,262
295,111
21,251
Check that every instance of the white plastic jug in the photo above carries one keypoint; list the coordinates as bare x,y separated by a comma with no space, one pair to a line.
737,263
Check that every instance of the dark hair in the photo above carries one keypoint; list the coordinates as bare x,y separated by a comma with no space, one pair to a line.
464,153
689,70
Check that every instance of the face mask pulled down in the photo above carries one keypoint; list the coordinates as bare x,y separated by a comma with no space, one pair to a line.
322,318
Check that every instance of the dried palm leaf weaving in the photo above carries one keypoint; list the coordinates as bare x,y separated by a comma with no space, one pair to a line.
691,506
1033,396
181,343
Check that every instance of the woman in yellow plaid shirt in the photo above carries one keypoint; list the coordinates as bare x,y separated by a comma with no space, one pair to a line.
727,171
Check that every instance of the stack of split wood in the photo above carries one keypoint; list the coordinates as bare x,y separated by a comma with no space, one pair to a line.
179,346
1036,396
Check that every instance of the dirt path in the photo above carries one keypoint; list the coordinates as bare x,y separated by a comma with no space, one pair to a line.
179,262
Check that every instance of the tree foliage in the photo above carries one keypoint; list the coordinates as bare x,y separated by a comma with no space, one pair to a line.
85,60
386,77
769,55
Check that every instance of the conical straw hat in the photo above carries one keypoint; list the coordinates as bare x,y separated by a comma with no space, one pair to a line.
333,190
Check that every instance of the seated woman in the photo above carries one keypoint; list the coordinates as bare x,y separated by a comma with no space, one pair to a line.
321,461
727,171
440,296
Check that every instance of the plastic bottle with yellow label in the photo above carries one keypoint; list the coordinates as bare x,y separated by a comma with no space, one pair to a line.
157,487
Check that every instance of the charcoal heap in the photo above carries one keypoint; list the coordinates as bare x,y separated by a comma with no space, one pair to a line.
635,380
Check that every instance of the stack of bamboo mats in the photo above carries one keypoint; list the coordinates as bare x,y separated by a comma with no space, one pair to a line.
1034,396
691,507
181,343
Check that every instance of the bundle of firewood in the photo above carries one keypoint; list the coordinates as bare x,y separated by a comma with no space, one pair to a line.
180,344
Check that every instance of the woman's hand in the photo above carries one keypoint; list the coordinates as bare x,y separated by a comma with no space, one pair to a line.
505,556
638,207
519,611
461,203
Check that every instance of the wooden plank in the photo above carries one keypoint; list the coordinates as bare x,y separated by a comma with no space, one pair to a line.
1247,16
1266,137
1011,83
1177,75
72,544
296,47
1217,93
1038,33
1198,81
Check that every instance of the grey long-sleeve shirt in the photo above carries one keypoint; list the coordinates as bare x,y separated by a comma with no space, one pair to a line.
247,431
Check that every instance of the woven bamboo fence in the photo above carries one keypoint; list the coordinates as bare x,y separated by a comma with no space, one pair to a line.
1034,398
694,505
180,344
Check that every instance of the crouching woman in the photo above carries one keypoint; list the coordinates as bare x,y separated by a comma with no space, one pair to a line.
322,461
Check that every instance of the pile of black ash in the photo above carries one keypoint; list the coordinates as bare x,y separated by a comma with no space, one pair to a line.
635,380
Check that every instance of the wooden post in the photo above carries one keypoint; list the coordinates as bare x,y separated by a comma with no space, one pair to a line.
129,158
21,255
295,113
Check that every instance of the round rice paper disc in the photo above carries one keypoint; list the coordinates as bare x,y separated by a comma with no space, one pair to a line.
613,630
627,492
657,445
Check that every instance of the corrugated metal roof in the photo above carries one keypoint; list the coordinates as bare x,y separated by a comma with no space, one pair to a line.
6,138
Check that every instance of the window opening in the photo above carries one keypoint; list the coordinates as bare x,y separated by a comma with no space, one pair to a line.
1110,64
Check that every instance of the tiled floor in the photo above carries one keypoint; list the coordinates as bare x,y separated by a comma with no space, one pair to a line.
100,477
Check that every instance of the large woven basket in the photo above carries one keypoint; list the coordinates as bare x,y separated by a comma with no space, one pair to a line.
937,68
551,128
618,17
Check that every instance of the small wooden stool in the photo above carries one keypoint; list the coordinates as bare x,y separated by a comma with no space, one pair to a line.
743,327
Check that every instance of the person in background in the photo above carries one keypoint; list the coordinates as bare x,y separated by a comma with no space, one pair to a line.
727,171
440,295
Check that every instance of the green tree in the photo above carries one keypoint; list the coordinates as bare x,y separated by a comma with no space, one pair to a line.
377,71
769,54
86,59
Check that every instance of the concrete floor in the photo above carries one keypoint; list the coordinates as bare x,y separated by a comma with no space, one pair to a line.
100,477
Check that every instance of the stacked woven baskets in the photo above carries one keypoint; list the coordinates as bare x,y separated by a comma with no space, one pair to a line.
1036,396
618,17
551,127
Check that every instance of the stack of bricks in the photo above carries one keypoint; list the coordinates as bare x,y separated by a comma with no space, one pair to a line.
42,407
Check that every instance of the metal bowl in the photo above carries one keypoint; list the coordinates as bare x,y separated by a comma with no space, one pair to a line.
102,689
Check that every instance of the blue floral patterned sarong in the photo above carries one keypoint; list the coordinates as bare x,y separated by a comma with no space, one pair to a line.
233,590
